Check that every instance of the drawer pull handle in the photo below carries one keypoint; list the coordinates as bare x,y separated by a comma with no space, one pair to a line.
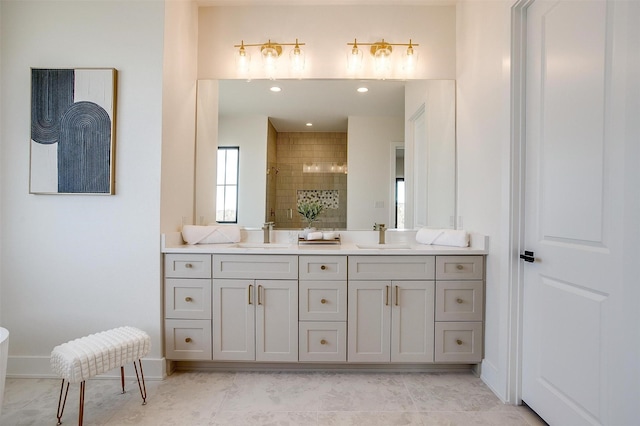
250,291
323,301
459,300
188,266
188,340
323,342
460,267
323,267
397,295
386,291
260,295
188,299
458,341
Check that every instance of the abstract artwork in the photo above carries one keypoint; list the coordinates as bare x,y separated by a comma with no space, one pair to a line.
73,131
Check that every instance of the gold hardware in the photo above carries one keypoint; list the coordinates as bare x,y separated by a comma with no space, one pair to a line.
323,267
323,301
250,291
188,266
260,295
459,300
397,295
458,341
460,267
386,295
188,340
323,342
188,299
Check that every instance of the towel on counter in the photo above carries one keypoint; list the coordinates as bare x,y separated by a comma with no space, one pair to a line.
211,234
314,236
443,237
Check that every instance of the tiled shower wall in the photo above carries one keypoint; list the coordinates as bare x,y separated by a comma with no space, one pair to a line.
294,150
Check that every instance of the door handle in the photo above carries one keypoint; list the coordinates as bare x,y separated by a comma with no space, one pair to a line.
528,257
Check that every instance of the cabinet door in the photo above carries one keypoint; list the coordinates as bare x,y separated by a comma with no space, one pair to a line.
276,320
412,321
234,320
369,321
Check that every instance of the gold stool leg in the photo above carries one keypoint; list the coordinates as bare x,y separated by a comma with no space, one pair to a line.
122,378
81,405
141,386
62,402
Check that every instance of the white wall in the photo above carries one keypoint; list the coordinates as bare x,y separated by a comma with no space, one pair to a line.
483,137
326,30
368,149
179,114
250,134
73,265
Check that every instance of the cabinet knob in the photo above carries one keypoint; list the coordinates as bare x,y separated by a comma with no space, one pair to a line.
323,267
459,267
323,301
323,342
458,341
188,266
188,299
188,340
459,300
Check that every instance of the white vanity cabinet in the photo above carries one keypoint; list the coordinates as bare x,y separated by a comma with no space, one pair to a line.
255,308
459,309
391,309
322,308
187,306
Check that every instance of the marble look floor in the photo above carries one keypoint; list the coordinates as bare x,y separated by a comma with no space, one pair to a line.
288,398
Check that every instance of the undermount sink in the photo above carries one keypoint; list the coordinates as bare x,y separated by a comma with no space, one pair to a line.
393,246
263,245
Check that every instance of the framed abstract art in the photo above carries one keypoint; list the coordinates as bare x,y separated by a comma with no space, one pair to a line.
73,115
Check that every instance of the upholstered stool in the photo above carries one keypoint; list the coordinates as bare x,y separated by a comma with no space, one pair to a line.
86,357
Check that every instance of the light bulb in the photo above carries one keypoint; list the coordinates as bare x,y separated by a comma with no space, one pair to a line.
354,58
296,56
243,60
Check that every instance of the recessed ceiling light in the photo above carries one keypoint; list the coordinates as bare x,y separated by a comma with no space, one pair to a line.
363,89
275,89
309,124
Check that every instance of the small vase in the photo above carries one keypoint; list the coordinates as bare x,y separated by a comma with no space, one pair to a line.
308,230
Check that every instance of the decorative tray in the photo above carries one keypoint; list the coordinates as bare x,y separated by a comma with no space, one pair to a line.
303,241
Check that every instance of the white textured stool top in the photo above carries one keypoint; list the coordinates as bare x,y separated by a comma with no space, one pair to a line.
83,358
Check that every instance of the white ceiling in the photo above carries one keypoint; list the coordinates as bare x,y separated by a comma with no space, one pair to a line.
325,103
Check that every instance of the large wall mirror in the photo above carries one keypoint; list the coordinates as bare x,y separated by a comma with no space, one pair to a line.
386,155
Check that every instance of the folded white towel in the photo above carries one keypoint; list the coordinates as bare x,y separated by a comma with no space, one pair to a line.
443,237
329,235
211,234
314,235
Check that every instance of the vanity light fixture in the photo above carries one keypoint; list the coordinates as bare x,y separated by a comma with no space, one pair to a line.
382,56
270,52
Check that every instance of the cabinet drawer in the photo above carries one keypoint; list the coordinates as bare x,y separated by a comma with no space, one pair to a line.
323,341
391,267
323,267
459,267
459,300
323,300
458,342
187,265
256,266
187,298
187,339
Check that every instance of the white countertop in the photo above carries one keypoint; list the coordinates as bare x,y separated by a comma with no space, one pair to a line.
352,243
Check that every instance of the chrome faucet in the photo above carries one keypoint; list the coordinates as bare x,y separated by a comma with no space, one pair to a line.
380,227
267,228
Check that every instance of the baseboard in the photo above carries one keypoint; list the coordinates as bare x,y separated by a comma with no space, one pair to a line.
39,367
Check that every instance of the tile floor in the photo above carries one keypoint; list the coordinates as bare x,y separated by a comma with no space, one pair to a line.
259,398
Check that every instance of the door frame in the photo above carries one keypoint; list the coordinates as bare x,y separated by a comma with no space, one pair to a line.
516,202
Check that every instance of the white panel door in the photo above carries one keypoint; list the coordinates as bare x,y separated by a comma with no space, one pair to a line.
276,320
234,320
412,321
369,321
572,289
